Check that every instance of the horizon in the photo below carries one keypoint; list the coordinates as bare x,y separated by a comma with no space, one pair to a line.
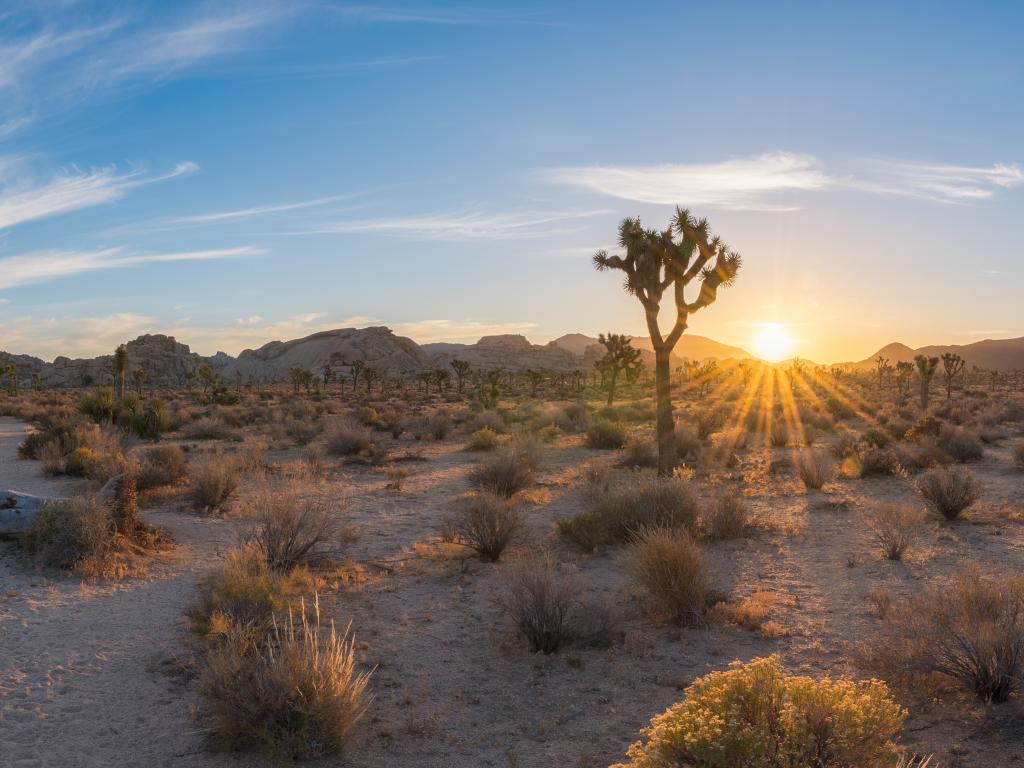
236,174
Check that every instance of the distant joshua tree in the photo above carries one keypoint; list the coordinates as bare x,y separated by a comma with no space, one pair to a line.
882,366
461,368
619,357
904,371
139,376
926,372
121,369
370,377
655,262
534,379
952,366
357,367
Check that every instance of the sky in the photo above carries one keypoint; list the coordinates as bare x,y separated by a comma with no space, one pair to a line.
236,172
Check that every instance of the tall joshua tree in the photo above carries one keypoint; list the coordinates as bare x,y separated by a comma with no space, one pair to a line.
461,368
882,366
903,373
655,262
952,365
619,357
926,372
121,369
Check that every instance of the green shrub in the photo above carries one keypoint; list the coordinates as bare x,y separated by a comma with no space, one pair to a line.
755,715
483,439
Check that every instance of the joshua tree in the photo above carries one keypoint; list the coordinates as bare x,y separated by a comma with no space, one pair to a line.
139,376
296,376
461,368
441,378
952,365
120,369
208,376
882,366
10,370
705,375
357,367
655,262
619,356
926,371
534,379
370,376
904,371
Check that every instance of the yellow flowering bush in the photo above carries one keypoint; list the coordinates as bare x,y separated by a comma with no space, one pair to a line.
755,716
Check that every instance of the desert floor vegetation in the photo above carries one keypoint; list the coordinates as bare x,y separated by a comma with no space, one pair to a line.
465,581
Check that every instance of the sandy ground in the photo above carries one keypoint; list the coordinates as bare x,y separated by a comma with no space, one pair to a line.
87,670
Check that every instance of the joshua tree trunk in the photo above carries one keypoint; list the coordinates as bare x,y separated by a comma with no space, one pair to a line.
611,386
666,424
924,393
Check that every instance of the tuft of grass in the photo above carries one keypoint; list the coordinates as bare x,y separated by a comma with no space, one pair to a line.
669,565
727,517
484,522
814,468
209,428
346,438
949,491
508,470
894,527
214,479
296,694
483,439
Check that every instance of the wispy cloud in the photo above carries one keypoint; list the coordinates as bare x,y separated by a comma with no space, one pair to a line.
762,182
264,210
425,14
462,225
22,199
49,265
741,183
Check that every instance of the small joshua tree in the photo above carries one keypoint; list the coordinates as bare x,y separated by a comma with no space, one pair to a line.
882,366
655,262
534,379
121,369
926,371
903,373
619,357
952,366
461,368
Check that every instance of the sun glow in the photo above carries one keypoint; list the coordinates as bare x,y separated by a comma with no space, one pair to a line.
773,342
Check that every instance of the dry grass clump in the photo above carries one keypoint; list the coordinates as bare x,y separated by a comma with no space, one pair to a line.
669,565
756,715
727,517
488,420
962,445
640,453
483,439
949,491
296,694
972,631
894,527
293,529
346,438
508,470
209,428
78,534
545,607
214,479
878,462
161,465
606,435
814,468
617,511
484,522
778,434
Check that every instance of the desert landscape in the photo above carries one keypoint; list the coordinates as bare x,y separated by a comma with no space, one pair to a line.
538,385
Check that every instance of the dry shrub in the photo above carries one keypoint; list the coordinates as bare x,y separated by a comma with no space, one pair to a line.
877,462
509,470
243,592
973,631
293,529
778,434
396,477
488,420
754,714
688,443
640,453
485,523
815,468
605,434
727,517
749,612
392,420
214,479
540,602
77,534
209,428
52,457
949,491
617,511
346,438
161,465
296,694
962,445
483,439
367,416
669,565
894,527
302,432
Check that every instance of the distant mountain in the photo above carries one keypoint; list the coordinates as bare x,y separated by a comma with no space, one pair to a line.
512,352
997,354
690,346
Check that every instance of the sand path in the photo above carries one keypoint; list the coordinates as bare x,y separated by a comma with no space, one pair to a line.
86,669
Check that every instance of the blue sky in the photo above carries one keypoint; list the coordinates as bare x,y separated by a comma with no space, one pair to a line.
233,173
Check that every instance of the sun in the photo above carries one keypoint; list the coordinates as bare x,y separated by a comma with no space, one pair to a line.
773,342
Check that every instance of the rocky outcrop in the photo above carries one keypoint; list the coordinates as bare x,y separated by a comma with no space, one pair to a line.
511,352
377,347
166,361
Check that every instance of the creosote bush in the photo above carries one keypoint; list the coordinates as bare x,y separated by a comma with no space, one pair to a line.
669,565
295,694
894,527
961,445
815,468
484,522
949,491
508,470
483,439
292,528
606,434
878,462
620,509
346,438
78,534
161,465
756,715
727,517
214,479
